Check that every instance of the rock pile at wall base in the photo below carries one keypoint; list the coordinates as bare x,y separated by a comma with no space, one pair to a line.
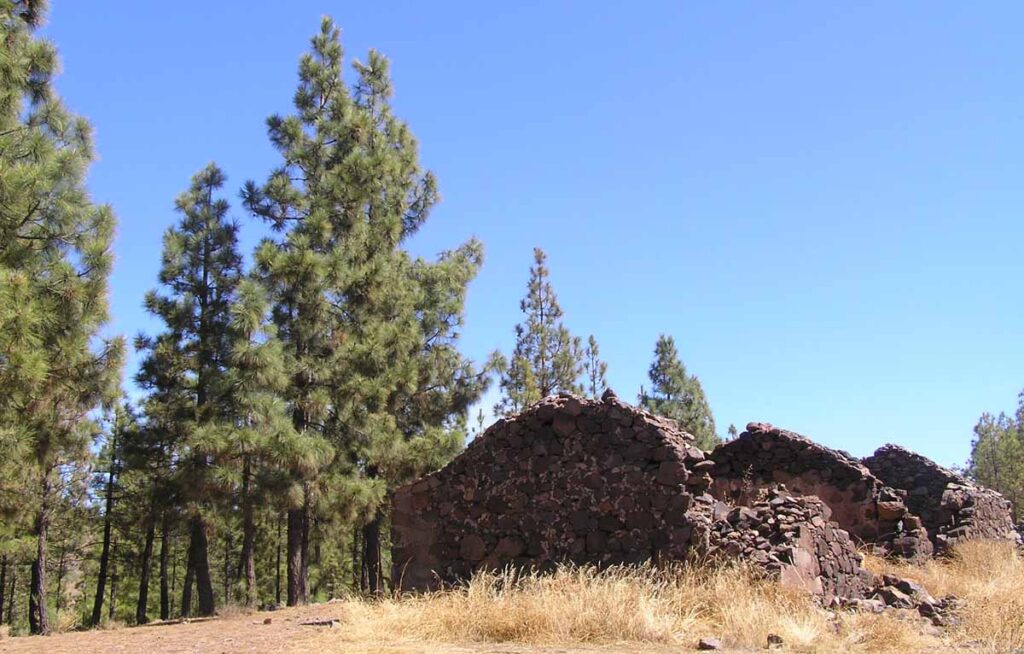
790,538
873,513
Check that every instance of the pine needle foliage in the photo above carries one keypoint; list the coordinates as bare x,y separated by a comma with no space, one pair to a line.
595,370
200,272
997,455
369,331
55,259
547,358
678,395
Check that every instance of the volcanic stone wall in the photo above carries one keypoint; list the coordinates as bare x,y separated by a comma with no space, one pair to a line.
951,507
568,480
860,503
586,482
789,537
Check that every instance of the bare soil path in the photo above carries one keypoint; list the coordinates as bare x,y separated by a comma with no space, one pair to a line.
285,633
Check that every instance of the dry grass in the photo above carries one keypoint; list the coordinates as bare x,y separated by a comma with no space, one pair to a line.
622,610
989,577
629,606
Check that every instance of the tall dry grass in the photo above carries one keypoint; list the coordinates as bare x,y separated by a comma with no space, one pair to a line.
581,606
989,577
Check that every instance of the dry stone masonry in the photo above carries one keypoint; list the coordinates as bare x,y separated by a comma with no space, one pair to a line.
580,481
568,480
951,507
860,503
602,482
791,538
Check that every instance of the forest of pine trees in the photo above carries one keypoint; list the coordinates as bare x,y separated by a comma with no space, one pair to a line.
284,392
280,397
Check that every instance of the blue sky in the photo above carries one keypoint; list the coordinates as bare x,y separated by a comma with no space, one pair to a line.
820,201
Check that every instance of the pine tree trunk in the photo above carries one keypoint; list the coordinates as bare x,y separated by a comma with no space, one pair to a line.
97,606
298,532
174,580
357,568
186,590
305,549
296,557
38,618
371,545
248,563
113,583
226,577
277,566
13,594
371,554
62,569
147,554
3,586
199,560
165,547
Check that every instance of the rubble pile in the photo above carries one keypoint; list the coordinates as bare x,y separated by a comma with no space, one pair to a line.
873,513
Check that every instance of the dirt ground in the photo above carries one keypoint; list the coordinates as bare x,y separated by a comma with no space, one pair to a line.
285,633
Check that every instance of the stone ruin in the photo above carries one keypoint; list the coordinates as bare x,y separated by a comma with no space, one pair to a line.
951,507
601,482
577,481
568,480
789,537
871,512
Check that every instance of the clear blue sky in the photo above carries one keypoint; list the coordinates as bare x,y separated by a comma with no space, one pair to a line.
822,202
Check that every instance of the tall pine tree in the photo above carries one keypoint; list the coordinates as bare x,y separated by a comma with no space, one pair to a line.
678,395
546,358
368,331
308,199
54,263
200,273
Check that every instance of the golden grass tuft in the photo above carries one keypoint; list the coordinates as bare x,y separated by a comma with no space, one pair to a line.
989,577
630,610
583,606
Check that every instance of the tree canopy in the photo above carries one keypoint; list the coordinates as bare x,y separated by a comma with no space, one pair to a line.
676,394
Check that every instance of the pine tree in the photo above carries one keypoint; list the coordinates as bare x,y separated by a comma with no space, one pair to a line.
420,425
120,427
369,331
308,198
54,263
255,445
594,369
678,395
997,455
200,273
546,358
263,426
152,452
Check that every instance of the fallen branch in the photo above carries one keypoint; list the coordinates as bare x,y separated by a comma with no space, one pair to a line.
330,622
